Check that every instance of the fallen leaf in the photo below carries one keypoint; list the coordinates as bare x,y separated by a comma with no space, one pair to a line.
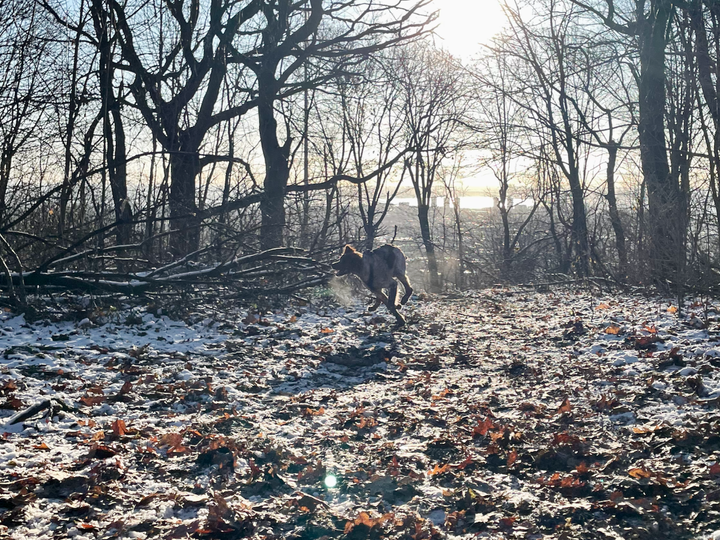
439,469
639,473
118,427
565,407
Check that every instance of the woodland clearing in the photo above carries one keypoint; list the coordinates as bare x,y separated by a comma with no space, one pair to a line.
502,413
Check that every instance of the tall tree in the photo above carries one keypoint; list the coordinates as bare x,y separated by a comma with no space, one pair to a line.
113,126
373,121
550,50
326,39
650,23
435,102
178,94
503,138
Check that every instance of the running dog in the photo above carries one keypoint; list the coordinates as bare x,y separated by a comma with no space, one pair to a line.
377,270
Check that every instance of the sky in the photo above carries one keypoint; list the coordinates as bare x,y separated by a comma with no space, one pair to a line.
464,24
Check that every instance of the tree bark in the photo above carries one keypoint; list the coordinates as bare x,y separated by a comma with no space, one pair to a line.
277,168
613,210
423,218
184,167
665,222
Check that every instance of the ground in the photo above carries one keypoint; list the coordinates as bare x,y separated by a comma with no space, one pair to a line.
504,413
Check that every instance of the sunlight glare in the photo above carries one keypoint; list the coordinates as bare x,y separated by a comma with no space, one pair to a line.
330,481
465,24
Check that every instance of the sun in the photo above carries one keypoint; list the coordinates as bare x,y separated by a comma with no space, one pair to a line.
466,24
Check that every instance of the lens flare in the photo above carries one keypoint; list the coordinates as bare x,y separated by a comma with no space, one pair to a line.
330,481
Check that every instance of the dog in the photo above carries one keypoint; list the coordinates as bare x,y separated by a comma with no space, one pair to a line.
377,269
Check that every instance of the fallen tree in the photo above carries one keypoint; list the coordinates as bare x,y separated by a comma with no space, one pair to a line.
283,270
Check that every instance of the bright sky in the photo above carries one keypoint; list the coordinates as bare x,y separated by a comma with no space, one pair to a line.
466,23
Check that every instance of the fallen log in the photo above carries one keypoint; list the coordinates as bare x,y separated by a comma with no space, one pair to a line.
36,408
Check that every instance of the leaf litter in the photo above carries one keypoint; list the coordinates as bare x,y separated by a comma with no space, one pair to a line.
503,413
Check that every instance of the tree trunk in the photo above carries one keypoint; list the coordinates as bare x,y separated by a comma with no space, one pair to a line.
665,222
73,109
461,249
614,214
579,224
504,211
184,167
277,170
423,217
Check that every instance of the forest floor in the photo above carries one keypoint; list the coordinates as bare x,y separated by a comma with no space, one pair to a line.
503,413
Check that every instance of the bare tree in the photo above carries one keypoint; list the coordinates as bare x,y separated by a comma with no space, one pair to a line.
328,40
503,137
435,103
21,83
550,96
649,21
373,122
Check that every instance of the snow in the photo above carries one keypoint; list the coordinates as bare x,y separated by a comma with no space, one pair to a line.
460,420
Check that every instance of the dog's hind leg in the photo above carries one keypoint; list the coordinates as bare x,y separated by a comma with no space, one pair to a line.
392,295
392,303
380,298
408,289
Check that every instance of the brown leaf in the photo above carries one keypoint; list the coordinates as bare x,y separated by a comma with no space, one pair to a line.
512,458
101,451
715,469
484,426
613,329
118,427
171,439
126,388
309,412
507,523
565,407
638,473
439,469
365,519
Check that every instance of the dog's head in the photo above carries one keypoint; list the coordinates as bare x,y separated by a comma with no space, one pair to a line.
350,261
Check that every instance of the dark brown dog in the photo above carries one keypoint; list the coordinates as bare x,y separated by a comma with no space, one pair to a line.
377,270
